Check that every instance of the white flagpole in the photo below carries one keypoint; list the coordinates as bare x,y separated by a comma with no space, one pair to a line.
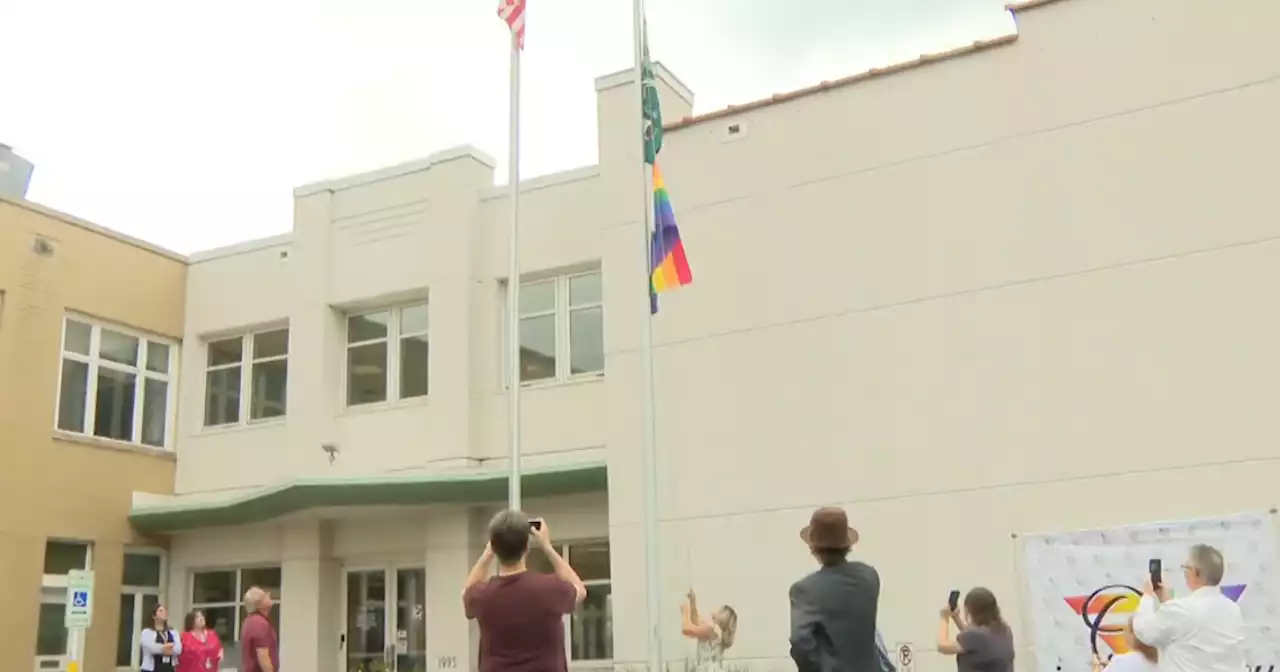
513,280
653,574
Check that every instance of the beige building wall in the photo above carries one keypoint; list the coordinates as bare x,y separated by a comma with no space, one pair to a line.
1022,289
54,485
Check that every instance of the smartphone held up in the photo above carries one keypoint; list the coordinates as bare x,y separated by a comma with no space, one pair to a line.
953,601
1155,570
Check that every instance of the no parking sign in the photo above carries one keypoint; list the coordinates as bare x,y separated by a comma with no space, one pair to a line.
906,658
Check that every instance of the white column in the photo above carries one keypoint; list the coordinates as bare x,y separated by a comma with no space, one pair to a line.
453,545
310,609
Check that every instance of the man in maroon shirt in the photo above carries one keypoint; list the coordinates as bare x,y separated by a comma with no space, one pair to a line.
520,612
259,650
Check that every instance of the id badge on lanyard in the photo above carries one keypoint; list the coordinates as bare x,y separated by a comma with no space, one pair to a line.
164,639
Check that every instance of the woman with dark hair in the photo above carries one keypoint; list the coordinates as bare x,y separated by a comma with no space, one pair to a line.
201,649
1139,657
160,644
984,642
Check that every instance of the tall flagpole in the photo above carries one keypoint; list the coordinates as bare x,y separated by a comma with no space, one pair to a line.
653,601
513,280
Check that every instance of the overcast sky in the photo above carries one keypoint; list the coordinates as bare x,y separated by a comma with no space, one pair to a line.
188,124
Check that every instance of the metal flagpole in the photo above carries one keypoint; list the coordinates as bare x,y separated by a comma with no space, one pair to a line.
653,601
513,280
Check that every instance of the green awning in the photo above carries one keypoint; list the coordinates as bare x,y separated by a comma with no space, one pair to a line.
272,502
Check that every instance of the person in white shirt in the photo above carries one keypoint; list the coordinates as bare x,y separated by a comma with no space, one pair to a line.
1202,632
1139,658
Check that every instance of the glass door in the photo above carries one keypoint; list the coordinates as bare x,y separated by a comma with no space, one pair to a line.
386,624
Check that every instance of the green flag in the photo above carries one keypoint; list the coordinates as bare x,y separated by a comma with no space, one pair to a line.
651,110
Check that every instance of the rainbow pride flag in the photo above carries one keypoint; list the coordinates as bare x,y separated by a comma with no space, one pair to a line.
668,266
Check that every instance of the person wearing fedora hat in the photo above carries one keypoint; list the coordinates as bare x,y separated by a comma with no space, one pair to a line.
833,610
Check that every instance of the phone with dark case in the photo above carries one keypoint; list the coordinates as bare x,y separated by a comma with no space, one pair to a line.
953,600
535,523
1155,569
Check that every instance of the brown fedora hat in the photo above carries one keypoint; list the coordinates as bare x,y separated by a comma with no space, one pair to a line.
829,529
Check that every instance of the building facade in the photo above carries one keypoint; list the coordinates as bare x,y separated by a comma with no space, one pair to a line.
1017,287
90,334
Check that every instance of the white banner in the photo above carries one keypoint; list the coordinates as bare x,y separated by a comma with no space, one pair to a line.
1085,585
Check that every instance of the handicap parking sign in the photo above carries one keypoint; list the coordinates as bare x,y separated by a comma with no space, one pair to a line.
79,613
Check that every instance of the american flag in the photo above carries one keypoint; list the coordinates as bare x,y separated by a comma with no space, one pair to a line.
512,11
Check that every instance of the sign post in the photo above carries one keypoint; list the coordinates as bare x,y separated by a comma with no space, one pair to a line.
78,616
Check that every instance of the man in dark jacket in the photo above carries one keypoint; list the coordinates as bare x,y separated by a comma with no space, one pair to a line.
833,610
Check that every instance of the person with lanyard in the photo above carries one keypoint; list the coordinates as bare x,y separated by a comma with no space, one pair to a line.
160,644
201,648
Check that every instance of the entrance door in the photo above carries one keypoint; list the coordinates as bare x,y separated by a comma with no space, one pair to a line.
386,620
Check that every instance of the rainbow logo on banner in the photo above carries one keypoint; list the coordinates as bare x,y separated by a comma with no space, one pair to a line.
1118,600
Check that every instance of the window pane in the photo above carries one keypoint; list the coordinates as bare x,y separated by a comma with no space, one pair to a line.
414,352
270,382
125,630
155,402
586,340
118,347
157,357
414,319
51,637
266,578
61,557
584,289
214,587
271,344
537,347
222,620
141,569
366,373
590,561
537,561
537,297
367,327
113,408
591,627
149,604
77,337
226,351
222,397
73,396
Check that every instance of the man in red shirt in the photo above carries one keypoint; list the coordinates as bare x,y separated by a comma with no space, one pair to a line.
520,612
259,650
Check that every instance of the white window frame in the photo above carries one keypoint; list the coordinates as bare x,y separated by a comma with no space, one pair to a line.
56,586
138,593
247,360
238,594
393,339
94,361
562,310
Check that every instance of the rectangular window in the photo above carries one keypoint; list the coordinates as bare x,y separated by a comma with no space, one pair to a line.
53,641
561,328
388,353
115,384
220,593
139,595
246,378
589,630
